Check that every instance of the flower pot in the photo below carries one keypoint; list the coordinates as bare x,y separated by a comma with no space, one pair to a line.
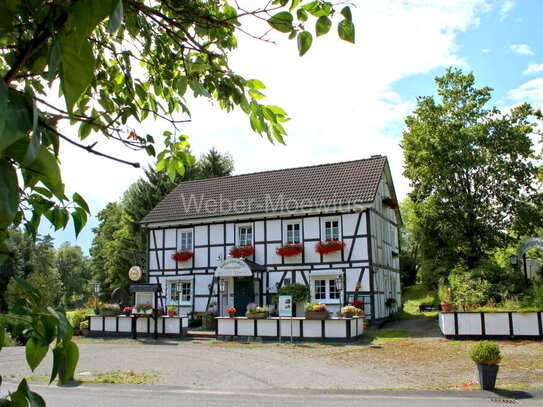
347,315
446,307
172,313
256,315
109,312
231,314
316,314
487,376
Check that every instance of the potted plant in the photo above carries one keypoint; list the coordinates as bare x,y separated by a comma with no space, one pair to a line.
127,310
316,311
84,325
183,255
243,250
487,356
349,311
231,312
360,305
365,323
445,296
109,310
390,203
172,310
329,246
143,308
158,311
209,323
290,249
256,312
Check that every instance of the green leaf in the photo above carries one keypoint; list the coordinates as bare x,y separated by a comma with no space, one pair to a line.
77,70
346,12
34,145
55,55
294,4
46,166
78,199
62,323
9,191
17,114
71,356
323,25
255,84
304,42
198,89
57,360
84,130
116,18
281,21
255,94
25,285
345,30
182,84
301,14
80,219
35,352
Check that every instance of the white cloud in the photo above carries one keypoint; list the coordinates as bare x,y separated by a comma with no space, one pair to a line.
485,50
533,69
521,49
506,7
531,91
340,96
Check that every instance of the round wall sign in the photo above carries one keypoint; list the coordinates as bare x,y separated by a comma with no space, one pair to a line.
135,273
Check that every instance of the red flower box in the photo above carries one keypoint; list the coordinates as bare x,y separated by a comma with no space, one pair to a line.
391,203
242,251
329,246
183,255
290,249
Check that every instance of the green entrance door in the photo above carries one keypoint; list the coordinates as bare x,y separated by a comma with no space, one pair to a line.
243,294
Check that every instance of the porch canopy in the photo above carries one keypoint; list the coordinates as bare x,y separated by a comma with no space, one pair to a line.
233,267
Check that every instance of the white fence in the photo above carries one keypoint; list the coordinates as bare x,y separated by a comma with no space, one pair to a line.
502,323
124,325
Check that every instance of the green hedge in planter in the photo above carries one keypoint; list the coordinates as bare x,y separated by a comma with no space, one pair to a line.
486,353
299,293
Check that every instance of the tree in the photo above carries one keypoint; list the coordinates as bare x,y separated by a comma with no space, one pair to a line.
73,268
470,168
119,236
90,49
410,248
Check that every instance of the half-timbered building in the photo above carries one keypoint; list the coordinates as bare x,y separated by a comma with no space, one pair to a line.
353,202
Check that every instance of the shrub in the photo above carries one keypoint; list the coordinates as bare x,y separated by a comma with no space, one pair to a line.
77,317
470,290
18,327
299,293
486,353
444,292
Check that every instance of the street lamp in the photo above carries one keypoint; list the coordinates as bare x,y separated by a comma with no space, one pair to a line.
339,287
178,292
97,289
222,285
513,260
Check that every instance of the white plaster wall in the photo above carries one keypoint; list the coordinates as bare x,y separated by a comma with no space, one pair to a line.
153,265
214,253
202,282
273,258
125,324
217,234
267,327
469,324
230,239
362,228
170,238
200,235
111,324
360,250
169,263
200,258
226,326
158,237
285,328
274,230
200,303
312,328
309,253
260,250
246,327
335,328
311,228
349,223
259,231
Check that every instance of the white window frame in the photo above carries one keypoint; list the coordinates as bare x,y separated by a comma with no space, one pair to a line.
323,228
244,241
330,280
180,239
172,293
286,232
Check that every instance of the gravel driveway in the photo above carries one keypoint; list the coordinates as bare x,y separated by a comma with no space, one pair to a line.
381,364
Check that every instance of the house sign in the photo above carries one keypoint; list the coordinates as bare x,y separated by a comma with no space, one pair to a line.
233,268
531,243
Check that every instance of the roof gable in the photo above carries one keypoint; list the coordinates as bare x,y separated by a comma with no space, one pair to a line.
320,186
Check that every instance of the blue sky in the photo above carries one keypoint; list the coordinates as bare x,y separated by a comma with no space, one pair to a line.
346,101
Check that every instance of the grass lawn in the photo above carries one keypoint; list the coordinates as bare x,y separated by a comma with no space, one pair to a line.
412,297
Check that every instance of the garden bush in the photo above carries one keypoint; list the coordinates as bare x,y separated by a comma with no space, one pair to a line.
469,290
486,353
299,293
17,327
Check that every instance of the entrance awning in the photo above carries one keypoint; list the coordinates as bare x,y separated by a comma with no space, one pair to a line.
237,268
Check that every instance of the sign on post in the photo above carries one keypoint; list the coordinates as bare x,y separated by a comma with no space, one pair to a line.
285,310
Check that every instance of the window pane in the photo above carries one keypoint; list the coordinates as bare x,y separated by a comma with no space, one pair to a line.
185,291
334,294
186,240
320,289
246,235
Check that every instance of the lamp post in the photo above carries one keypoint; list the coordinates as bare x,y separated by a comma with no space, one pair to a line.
178,292
339,287
513,260
222,287
97,289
